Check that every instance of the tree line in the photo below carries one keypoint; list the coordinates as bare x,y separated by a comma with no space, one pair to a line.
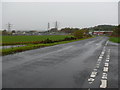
116,31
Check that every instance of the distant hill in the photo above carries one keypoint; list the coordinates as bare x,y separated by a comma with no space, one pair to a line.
69,30
96,28
103,28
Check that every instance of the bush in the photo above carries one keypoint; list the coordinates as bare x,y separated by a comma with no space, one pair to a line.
69,38
48,41
116,32
79,34
88,35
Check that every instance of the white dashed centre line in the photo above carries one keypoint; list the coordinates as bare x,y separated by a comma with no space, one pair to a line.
104,76
106,43
99,60
97,66
107,60
103,84
106,64
95,70
102,53
105,69
100,57
93,74
90,80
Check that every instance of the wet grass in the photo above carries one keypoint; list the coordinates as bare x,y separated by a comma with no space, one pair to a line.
15,40
115,39
33,46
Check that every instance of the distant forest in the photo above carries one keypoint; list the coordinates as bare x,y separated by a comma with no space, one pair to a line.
103,28
95,28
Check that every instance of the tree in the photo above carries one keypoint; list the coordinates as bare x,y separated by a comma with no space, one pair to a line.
102,28
13,31
79,34
69,30
116,31
4,32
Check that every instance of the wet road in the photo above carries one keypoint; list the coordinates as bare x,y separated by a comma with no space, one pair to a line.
79,64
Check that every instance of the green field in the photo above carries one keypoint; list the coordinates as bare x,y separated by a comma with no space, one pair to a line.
16,39
115,39
29,41
33,46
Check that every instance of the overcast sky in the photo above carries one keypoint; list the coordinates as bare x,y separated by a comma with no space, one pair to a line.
119,13
36,15
0,15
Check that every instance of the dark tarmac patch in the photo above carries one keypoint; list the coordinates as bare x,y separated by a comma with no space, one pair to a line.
15,58
81,77
113,83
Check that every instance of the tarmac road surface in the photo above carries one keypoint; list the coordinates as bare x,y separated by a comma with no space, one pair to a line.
90,63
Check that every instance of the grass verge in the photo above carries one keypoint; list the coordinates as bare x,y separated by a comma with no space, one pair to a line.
115,39
33,46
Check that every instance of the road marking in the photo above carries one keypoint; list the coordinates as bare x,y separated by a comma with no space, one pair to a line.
95,70
106,43
99,60
103,84
104,76
100,57
108,55
97,66
105,69
107,60
88,88
102,52
90,80
106,64
93,74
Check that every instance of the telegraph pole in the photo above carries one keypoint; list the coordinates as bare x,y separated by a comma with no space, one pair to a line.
9,26
56,25
48,26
